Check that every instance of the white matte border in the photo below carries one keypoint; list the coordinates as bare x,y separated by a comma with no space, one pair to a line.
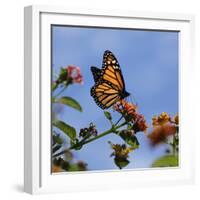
39,179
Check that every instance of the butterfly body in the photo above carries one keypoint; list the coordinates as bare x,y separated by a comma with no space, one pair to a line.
109,83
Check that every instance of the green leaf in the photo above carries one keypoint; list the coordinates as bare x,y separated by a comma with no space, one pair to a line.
77,167
73,167
67,129
62,75
108,115
121,162
166,161
130,139
53,99
54,86
57,139
69,102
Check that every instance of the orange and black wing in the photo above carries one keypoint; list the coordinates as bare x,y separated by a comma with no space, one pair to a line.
109,83
111,71
104,94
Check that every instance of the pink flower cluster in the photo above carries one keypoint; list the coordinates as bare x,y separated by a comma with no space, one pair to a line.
74,73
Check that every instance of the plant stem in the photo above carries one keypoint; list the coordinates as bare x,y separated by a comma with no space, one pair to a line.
174,145
111,130
60,153
62,90
83,142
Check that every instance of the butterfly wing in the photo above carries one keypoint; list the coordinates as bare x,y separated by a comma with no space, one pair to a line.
104,94
96,72
111,71
109,84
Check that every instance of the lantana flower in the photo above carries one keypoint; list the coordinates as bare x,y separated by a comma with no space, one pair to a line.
121,150
68,75
56,169
163,127
121,153
162,119
140,124
74,73
129,111
82,166
87,132
176,119
125,107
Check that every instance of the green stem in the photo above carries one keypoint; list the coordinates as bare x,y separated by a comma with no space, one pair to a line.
174,145
54,86
83,142
61,91
111,130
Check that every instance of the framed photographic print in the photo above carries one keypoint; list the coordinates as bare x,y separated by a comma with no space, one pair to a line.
107,99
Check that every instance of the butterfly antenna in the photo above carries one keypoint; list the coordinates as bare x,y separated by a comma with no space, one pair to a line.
119,120
132,99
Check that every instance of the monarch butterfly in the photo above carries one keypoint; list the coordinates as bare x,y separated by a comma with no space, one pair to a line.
109,83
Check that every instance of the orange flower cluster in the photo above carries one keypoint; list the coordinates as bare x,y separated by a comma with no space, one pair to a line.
162,119
75,74
129,111
176,119
140,123
163,127
123,106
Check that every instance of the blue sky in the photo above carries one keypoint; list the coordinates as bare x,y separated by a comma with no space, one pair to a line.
149,63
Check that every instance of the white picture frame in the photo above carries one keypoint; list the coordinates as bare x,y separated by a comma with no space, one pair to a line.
37,172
